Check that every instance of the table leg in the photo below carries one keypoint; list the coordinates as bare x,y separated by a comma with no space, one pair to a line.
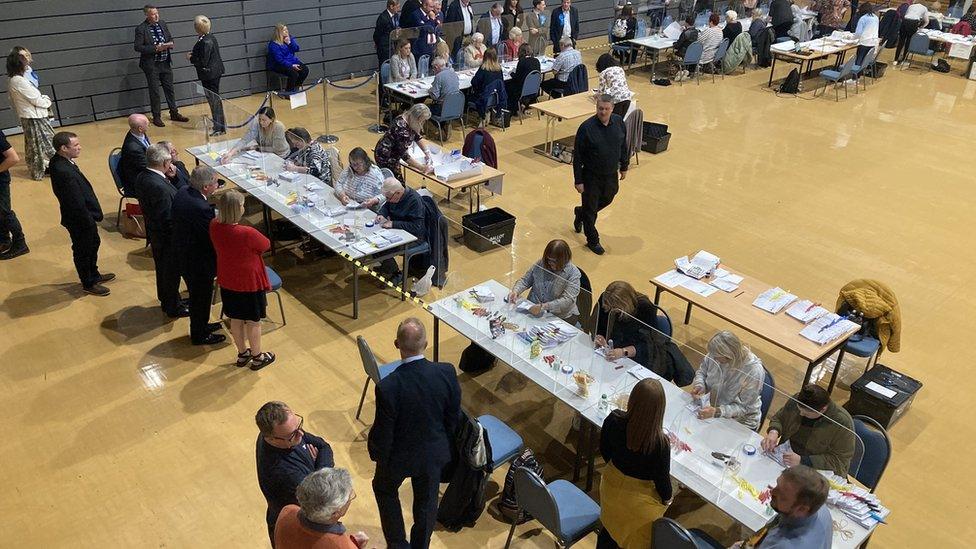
806,376
657,295
579,447
654,64
771,69
470,201
688,313
355,290
437,338
266,213
591,458
833,375
478,197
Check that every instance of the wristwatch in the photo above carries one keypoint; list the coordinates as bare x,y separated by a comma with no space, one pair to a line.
718,412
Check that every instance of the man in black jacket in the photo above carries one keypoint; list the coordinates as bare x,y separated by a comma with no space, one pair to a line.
80,212
156,194
206,58
599,153
557,26
418,407
133,158
154,43
195,252
404,210
285,455
461,11
386,23
178,175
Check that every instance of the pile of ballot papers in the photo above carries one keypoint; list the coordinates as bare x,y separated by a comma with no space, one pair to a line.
774,300
827,328
806,311
549,334
699,266
482,293
857,504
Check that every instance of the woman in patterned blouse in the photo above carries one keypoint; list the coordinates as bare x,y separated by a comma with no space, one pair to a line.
613,82
405,130
362,181
310,157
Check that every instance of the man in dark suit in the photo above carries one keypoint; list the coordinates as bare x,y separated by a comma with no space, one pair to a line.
428,20
154,43
493,26
417,411
410,13
155,194
80,212
195,252
133,158
557,27
386,23
178,175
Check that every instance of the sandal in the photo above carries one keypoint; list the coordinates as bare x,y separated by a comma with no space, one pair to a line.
262,360
244,358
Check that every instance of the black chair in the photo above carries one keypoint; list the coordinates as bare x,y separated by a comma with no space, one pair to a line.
584,303
668,533
766,394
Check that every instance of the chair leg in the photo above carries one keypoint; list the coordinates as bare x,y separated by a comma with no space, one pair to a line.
118,216
511,531
362,398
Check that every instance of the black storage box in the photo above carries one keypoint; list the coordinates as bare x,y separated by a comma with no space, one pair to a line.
886,410
655,137
878,70
486,230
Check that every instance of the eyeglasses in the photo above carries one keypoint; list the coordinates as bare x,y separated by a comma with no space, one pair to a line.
297,433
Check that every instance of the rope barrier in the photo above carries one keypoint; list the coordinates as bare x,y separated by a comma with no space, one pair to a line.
302,90
354,86
267,97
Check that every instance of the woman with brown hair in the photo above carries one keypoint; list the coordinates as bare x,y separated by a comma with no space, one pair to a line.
554,283
635,487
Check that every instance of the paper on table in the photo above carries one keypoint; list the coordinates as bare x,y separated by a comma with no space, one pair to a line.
883,391
672,278
806,311
699,288
778,452
720,273
827,328
640,372
724,285
774,299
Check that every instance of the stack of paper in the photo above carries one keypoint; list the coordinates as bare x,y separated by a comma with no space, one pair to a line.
699,287
774,300
549,334
334,211
524,305
806,311
252,156
727,282
827,328
482,293
289,176
460,169
859,505
390,236
672,278
778,452
700,266
313,186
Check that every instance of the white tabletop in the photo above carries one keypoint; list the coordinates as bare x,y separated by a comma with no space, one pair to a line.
286,198
948,37
419,88
696,469
655,41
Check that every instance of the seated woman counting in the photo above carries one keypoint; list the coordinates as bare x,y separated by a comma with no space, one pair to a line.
474,51
362,181
733,28
733,377
311,157
527,62
511,46
403,66
554,283
266,131
635,487
613,82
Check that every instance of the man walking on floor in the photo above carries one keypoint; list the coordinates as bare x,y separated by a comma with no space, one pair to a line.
600,152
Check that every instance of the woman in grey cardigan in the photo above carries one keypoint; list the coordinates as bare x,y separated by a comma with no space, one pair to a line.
733,377
265,130
554,282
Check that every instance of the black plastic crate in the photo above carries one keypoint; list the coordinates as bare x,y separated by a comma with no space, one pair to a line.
655,138
488,229
866,400
877,70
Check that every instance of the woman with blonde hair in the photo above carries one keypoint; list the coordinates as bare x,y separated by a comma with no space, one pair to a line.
733,378
635,487
242,278
206,58
282,58
32,108
474,51
406,129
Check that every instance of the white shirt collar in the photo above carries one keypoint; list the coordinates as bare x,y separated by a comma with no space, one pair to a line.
157,171
412,358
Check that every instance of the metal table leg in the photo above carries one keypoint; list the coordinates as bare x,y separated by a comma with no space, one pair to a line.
591,458
833,375
657,295
580,444
437,338
688,313
355,290
266,213
771,69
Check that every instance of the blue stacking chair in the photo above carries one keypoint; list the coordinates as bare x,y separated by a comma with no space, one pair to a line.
723,48
423,66
275,281
505,442
838,77
560,506
452,108
668,533
662,323
531,87
374,371
919,45
871,457
113,167
459,59
766,394
692,59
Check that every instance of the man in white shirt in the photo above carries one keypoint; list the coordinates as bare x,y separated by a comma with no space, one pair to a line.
916,17
563,66
461,11
493,26
564,24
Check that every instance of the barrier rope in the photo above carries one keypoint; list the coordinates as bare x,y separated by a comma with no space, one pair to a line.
301,90
367,80
267,97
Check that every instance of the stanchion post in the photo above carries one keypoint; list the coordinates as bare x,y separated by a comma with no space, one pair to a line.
378,127
207,124
327,138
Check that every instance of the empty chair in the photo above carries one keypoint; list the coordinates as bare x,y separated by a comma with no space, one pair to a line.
668,533
723,48
838,78
766,394
875,452
919,45
531,87
275,282
692,58
505,442
561,507
374,371
452,108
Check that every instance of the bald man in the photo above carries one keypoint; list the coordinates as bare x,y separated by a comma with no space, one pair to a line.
418,407
134,147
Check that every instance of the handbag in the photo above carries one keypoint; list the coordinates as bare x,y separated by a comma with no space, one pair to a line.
133,223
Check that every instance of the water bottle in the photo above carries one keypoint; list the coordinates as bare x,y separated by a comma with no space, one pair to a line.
604,405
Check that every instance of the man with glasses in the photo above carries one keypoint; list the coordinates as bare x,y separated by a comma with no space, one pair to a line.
285,454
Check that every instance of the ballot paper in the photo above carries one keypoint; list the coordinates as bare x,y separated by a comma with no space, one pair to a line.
855,502
827,328
699,402
313,186
700,266
806,311
352,205
364,246
524,305
482,293
774,300
390,236
459,169
699,287
640,372
777,453
726,282
289,176
672,278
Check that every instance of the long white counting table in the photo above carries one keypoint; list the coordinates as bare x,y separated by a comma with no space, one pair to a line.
307,202
419,88
732,492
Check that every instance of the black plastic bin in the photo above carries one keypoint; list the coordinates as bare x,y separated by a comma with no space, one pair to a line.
488,229
878,70
656,138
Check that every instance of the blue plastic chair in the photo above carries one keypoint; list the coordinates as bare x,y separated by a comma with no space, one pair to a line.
423,66
452,108
662,323
864,346
275,281
505,442
668,533
723,48
837,77
766,394
531,87
374,371
919,45
113,167
868,465
692,59
562,508
385,72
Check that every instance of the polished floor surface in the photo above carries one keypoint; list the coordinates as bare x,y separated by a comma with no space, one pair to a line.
118,433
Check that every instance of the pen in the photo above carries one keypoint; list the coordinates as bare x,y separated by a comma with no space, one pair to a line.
832,322
877,517
812,305
738,294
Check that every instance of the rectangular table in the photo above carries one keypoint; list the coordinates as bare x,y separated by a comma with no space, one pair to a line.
277,194
655,44
821,48
736,307
418,89
563,108
488,175
695,469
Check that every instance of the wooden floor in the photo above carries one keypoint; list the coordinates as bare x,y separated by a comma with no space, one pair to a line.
120,434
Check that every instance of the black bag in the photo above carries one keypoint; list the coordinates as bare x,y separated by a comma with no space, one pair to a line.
508,504
475,359
791,84
941,66
465,497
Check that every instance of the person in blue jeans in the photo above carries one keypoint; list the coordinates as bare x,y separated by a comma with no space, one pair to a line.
282,58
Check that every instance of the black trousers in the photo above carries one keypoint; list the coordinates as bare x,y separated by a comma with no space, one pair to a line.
295,77
10,230
167,270
386,488
553,84
905,33
160,74
862,52
605,541
200,287
216,103
84,251
598,193
783,29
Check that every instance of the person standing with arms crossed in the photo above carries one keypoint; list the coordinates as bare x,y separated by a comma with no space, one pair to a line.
600,152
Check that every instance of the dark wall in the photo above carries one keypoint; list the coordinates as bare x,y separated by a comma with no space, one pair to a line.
84,56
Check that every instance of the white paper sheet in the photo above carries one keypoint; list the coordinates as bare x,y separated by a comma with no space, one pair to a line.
672,278
298,100
699,288
883,391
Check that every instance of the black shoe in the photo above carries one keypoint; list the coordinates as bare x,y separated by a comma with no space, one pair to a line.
177,117
97,289
180,312
106,277
214,326
596,248
14,251
210,339
4,247
158,122
577,222
262,360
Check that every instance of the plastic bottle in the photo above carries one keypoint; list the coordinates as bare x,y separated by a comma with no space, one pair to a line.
604,403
